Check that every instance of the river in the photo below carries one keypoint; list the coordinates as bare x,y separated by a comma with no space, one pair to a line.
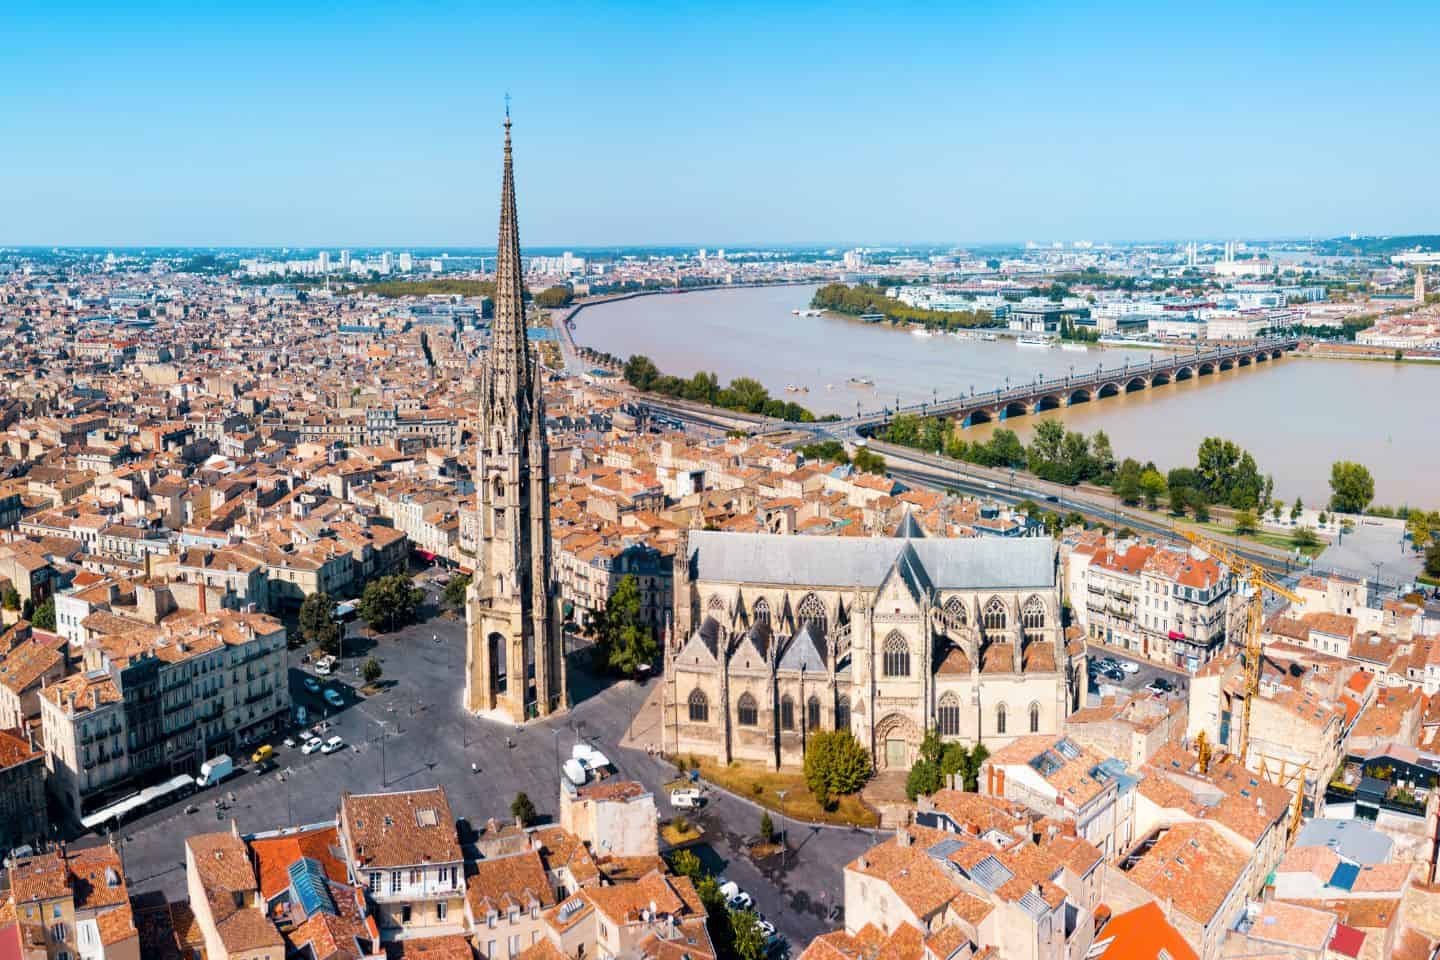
1296,416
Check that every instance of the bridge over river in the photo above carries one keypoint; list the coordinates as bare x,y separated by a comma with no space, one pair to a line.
1041,394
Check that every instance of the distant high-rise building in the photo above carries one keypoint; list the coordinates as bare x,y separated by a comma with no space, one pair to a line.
702,255
407,263
324,261
437,265
344,259
387,262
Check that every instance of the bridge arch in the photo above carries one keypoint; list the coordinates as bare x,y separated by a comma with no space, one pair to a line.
1137,383
1244,361
1108,390
1206,368
1051,401
1162,377
1227,363
1016,408
1276,354
980,415
1079,396
1184,373
1262,356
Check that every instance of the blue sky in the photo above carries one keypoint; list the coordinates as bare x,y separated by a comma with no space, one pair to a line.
721,124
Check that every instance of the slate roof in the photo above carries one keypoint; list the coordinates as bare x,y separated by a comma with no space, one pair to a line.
978,563
803,653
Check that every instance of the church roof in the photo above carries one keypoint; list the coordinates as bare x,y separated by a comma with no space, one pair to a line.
972,563
803,653
908,528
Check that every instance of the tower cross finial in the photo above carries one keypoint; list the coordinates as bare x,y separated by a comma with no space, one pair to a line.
507,105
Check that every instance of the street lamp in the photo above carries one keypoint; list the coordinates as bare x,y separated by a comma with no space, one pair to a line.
784,838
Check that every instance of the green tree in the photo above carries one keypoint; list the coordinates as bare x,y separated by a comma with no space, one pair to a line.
1351,487
522,809
1420,527
750,394
1044,455
1304,537
372,671
1297,511
1432,558
971,770
1244,521
767,828
954,759
835,765
1217,460
1127,481
1103,457
11,599
624,642
1152,485
747,939
390,602
717,915
44,616
1179,500
1200,506
557,296
640,372
317,622
868,461
924,778
454,592
684,863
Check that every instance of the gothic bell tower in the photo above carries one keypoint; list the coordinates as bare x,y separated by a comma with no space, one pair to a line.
514,661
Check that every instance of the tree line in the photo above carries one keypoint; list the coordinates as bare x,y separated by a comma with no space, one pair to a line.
744,393
864,298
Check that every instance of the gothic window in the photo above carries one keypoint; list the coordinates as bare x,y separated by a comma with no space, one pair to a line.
497,487
699,707
761,611
1000,718
995,614
1032,615
842,714
716,603
1034,718
746,713
955,607
812,714
812,614
787,713
897,656
948,715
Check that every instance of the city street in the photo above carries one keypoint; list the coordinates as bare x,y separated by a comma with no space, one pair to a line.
1134,682
429,740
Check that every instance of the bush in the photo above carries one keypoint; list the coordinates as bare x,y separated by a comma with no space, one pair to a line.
924,779
44,616
681,823
767,828
11,600
684,863
372,671
454,593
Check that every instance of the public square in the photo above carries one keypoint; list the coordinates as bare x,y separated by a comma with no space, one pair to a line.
428,740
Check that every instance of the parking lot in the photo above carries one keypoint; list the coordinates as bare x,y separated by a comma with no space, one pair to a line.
1128,684
414,734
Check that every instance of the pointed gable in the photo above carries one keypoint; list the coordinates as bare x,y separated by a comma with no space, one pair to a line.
803,653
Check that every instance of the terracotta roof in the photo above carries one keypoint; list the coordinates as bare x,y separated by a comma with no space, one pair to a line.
399,829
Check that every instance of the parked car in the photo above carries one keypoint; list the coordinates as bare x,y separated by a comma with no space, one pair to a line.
262,753
334,698
1129,666
333,744
742,901
312,684
311,745
687,799
766,927
325,665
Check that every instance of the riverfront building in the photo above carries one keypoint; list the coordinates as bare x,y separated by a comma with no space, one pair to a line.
777,637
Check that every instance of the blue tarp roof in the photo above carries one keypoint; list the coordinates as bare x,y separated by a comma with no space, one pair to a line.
1344,876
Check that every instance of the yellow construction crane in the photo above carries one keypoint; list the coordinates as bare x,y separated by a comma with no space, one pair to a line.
1259,581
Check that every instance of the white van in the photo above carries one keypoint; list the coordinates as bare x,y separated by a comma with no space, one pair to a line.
325,666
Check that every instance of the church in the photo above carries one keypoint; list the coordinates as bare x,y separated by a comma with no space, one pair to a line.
514,666
776,637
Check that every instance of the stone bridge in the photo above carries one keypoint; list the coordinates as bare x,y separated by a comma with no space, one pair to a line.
1041,394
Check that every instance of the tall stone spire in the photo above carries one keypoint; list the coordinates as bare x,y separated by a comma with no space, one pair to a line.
513,660
509,355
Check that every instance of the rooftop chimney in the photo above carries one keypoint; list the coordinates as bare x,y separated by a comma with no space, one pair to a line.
201,600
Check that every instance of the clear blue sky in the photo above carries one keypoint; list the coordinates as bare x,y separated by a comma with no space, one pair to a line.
361,122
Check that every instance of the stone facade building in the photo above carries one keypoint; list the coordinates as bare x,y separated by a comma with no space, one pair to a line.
779,636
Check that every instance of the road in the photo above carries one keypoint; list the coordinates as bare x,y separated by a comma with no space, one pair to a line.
429,740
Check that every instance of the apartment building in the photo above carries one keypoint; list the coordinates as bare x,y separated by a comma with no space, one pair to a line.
23,815
160,699
402,848
71,906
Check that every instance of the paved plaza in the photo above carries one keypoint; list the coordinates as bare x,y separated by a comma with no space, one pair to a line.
429,740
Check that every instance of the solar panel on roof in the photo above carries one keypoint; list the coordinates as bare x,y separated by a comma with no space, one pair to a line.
991,874
1344,876
310,888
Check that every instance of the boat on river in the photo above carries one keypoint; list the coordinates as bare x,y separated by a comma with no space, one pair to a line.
1075,347
861,382
1039,343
